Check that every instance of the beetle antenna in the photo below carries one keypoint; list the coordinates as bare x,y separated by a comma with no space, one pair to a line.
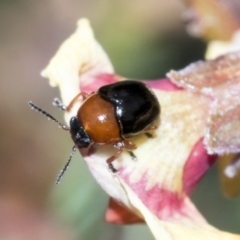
66,165
33,106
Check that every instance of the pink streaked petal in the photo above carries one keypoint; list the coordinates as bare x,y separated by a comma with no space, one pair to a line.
98,81
197,165
164,203
226,96
104,79
162,84
182,229
165,171
167,204
157,183
219,79
205,75
223,132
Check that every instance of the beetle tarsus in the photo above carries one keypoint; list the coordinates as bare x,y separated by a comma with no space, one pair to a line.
112,168
56,102
148,135
132,155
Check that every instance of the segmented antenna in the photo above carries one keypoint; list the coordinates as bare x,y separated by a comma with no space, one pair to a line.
57,103
66,165
33,106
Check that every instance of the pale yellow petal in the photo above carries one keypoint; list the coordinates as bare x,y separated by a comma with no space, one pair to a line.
80,56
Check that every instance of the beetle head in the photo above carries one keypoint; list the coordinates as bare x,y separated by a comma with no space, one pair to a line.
79,135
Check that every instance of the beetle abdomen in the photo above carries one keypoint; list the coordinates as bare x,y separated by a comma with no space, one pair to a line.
136,106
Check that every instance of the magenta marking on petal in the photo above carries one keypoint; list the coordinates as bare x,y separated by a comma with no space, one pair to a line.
104,78
96,82
161,202
163,84
199,161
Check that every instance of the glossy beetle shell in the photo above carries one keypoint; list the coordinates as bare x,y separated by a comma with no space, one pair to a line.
136,106
111,115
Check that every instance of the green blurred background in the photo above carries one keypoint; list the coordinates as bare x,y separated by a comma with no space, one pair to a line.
144,40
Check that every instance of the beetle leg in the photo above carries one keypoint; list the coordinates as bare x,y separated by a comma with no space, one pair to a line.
56,102
148,135
128,144
112,168
114,157
150,128
120,145
132,155
70,105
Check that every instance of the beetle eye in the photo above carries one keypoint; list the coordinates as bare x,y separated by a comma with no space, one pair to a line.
79,135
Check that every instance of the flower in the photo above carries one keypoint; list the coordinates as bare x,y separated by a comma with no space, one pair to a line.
155,187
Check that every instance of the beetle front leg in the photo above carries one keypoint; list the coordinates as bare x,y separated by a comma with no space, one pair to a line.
84,96
56,102
59,104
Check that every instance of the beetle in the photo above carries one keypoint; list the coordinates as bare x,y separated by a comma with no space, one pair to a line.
110,116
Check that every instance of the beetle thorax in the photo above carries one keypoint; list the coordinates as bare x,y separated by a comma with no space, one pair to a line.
99,121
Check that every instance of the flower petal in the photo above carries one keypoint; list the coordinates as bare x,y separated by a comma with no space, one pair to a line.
156,180
217,48
79,59
220,80
152,181
185,230
212,19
